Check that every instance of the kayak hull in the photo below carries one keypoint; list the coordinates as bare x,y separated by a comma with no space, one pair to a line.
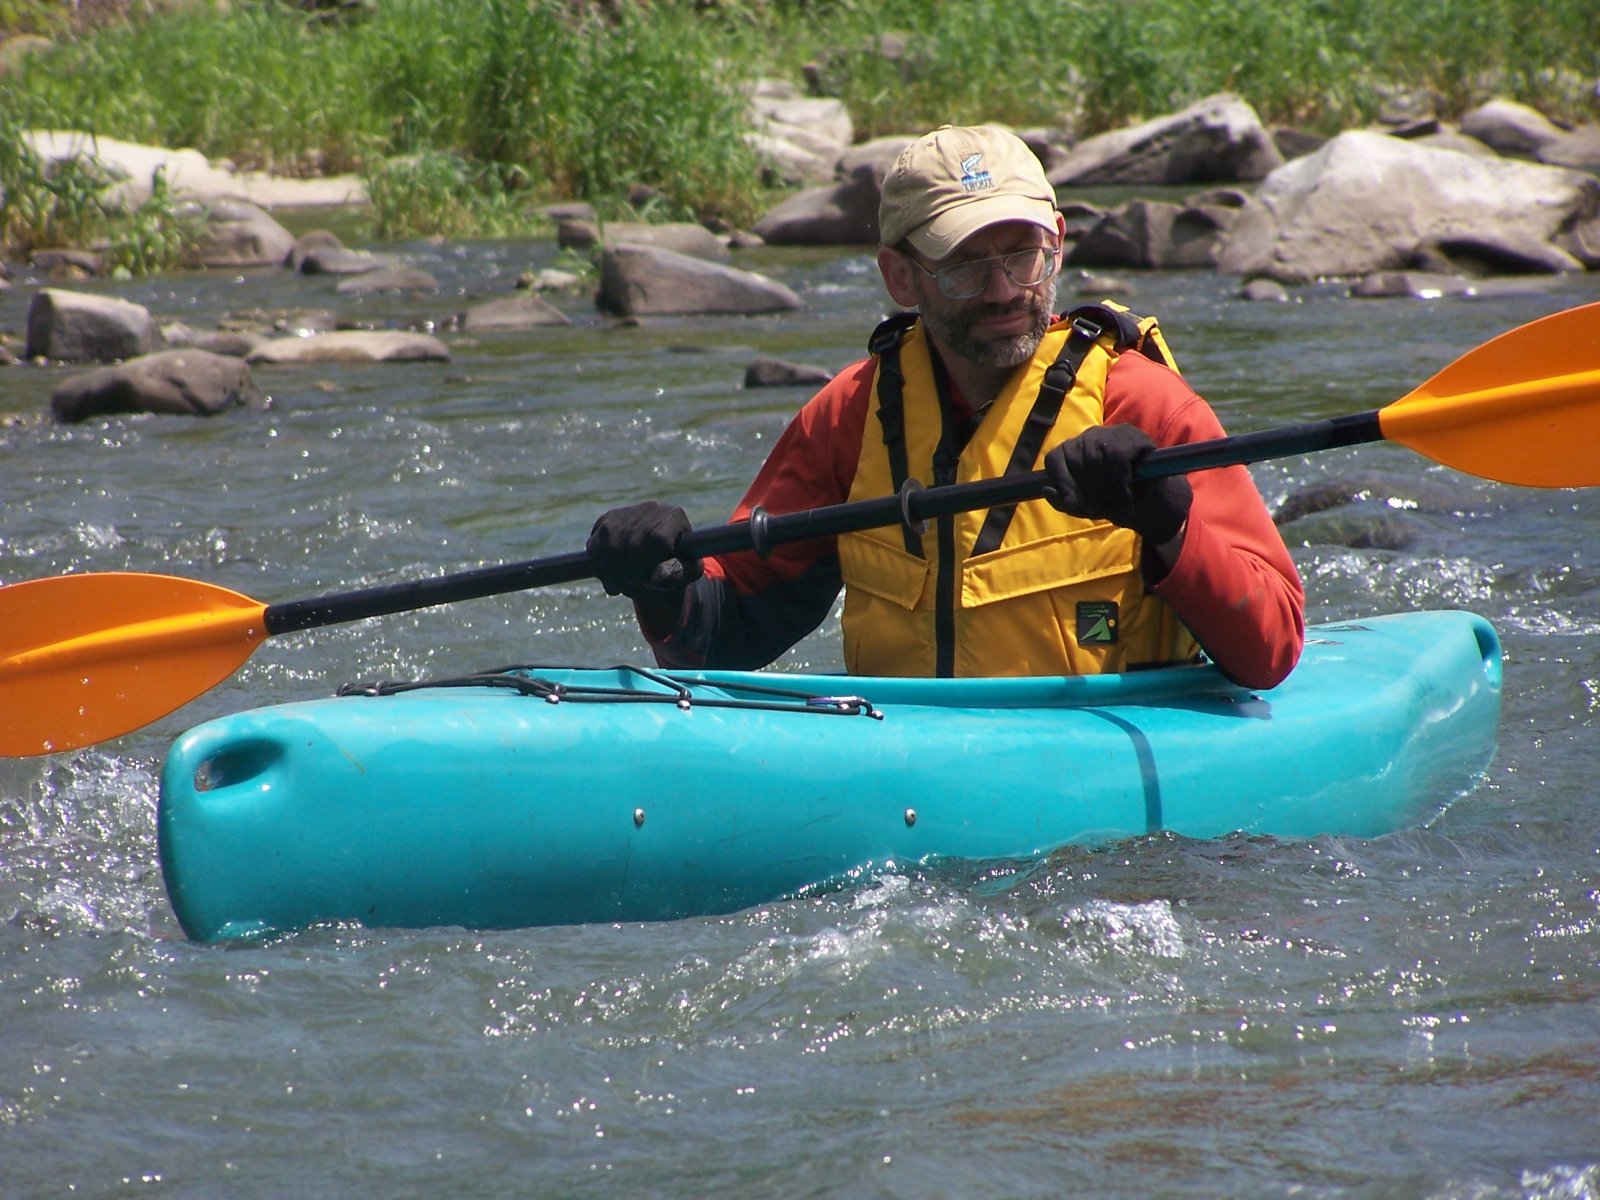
682,795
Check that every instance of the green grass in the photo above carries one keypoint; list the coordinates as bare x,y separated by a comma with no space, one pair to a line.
1090,66
465,115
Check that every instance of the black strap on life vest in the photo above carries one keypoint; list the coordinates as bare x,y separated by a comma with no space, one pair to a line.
884,344
1085,329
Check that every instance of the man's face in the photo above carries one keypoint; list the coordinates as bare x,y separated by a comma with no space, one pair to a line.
1002,325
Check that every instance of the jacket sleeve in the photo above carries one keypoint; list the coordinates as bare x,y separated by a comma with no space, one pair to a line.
747,611
1234,584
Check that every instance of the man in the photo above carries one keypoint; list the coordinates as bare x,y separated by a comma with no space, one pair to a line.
1109,573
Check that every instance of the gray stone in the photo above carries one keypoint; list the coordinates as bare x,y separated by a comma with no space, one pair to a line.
78,327
522,311
648,281
239,234
352,346
1218,139
393,279
844,213
1510,128
776,372
176,382
1366,202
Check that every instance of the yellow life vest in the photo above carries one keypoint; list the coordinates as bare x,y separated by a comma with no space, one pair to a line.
1019,590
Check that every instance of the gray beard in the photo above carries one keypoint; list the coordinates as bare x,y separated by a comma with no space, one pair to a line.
955,334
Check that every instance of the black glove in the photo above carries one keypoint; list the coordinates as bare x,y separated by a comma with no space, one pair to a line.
633,551
1092,477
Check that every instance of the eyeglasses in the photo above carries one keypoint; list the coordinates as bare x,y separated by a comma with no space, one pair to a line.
964,280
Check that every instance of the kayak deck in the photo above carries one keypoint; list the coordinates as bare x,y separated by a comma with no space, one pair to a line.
569,795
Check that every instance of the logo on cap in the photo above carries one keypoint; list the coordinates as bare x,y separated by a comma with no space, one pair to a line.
972,179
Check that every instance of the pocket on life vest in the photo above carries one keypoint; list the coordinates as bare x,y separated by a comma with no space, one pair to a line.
1067,559
885,571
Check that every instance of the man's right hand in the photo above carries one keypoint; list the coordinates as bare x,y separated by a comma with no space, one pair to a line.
634,552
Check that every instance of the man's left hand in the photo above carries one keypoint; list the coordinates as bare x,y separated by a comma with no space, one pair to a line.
1092,477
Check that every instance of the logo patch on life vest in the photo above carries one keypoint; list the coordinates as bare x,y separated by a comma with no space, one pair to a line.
1097,623
973,179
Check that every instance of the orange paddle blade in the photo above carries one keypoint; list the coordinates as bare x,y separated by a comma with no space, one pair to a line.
94,656
1523,408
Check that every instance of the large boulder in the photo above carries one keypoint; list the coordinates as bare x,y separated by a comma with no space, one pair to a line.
80,327
240,234
1216,140
178,382
840,214
1367,202
649,281
189,173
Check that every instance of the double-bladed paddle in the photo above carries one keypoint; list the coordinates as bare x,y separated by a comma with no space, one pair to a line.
86,658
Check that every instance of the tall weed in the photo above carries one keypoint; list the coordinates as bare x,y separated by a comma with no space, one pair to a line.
467,115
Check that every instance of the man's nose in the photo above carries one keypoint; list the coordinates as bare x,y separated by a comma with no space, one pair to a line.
998,287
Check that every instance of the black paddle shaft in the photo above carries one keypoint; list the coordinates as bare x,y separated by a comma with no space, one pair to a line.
766,530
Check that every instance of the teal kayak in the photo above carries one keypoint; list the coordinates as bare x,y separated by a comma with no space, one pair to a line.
536,796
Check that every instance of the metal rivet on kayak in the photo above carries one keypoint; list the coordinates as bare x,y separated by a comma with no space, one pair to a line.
911,816
638,817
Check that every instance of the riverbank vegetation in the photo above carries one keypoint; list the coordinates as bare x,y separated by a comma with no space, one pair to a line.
465,117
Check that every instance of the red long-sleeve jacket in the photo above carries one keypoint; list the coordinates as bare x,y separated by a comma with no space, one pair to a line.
1234,584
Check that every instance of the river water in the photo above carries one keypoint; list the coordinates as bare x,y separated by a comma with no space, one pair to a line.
1412,1016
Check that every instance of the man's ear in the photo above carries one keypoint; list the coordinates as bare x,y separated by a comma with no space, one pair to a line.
899,277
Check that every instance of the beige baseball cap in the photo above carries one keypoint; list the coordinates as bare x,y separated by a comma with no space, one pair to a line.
946,186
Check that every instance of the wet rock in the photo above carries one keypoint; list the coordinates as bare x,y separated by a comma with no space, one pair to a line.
522,311
1264,291
396,279
776,372
683,237
352,346
844,213
240,234
1316,498
234,343
648,281
176,382
549,279
1153,234
1419,285
78,327
320,252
